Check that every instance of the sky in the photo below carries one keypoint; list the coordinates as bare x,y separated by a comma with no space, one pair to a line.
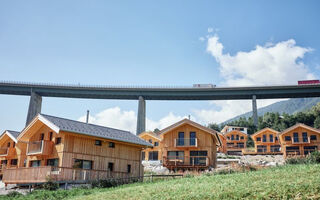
154,43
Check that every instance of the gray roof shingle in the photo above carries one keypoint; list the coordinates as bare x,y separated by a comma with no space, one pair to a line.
14,133
95,130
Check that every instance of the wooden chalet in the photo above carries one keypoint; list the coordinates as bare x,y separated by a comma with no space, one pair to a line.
71,151
152,153
299,140
266,142
236,142
188,145
8,153
223,147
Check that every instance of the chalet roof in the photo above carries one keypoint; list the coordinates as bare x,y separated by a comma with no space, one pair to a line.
299,125
224,130
233,131
150,133
187,121
12,134
262,130
61,124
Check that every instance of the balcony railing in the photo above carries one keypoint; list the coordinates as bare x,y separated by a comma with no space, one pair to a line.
186,142
41,174
7,151
43,147
235,146
186,161
300,140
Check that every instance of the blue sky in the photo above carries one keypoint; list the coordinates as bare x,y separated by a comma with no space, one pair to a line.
149,43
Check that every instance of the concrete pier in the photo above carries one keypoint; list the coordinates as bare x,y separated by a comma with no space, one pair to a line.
34,106
141,118
254,111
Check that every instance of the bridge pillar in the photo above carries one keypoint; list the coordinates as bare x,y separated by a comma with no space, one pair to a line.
34,106
141,119
254,111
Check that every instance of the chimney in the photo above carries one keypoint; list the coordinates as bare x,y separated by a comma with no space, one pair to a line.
87,120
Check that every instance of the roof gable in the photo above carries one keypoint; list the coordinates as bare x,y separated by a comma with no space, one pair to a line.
298,126
264,130
12,134
194,124
151,134
235,132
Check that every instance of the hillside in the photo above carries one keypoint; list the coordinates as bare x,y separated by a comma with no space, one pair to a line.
284,182
290,106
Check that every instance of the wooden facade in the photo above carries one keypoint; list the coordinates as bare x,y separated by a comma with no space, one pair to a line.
8,153
152,153
223,147
188,145
236,142
67,156
299,140
266,142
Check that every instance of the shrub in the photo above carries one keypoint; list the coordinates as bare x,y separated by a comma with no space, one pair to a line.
14,194
314,157
296,160
50,185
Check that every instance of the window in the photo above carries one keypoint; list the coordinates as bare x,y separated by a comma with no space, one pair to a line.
42,136
98,143
276,138
8,145
150,141
156,144
240,145
295,137
143,155
309,149
242,138
181,138
228,138
13,144
271,138
53,162
176,155
232,137
258,138
35,163
287,138
237,137
24,162
241,129
129,169
313,137
192,138
198,157
112,145
58,140
275,148
264,138
4,162
293,150
82,164
305,137
50,135
153,155
261,148
14,162
110,166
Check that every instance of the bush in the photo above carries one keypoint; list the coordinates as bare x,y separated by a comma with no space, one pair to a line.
296,160
14,194
50,185
106,183
314,157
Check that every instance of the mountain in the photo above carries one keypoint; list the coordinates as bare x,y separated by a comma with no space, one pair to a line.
288,106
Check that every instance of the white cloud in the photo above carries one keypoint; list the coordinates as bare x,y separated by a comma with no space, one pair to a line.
127,120
271,64
210,30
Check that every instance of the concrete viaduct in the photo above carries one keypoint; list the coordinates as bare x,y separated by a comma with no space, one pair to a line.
37,91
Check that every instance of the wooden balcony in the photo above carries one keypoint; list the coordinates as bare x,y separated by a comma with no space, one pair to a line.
186,161
186,142
235,146
59,174
43,147
7,151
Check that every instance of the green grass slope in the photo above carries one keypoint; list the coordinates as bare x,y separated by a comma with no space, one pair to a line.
286,182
